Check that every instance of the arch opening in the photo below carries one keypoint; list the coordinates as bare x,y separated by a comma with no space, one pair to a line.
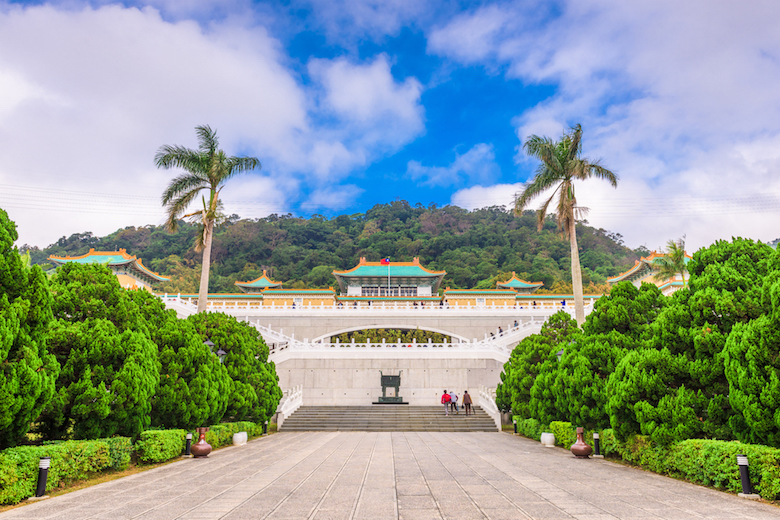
407,332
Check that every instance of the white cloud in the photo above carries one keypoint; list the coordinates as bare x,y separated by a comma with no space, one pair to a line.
679,99
382,111
348,21
90,94
477,165
332,198
478,197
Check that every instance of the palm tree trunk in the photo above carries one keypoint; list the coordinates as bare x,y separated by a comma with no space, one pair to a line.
203,292
576,274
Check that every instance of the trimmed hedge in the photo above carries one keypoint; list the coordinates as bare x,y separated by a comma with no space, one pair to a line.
160,445
565,433
71,461
530,428
703,461
222,434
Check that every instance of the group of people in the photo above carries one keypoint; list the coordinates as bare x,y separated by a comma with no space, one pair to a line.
450,402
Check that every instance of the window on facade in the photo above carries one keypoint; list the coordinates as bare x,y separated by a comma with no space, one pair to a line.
371,290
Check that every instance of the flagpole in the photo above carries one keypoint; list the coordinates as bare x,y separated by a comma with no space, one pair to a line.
388,277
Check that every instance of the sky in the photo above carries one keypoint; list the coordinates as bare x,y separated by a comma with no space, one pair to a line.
352,103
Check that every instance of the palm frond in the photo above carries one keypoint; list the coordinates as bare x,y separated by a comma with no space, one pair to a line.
178,157
575,141
183,183
207,139
543,181
542,211
176,207
598,171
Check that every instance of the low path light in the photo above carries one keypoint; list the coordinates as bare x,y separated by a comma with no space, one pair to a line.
43,476
597,446
744,475
188,448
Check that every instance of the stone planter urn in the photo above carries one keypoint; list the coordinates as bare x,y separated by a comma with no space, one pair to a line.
548,440
579,448
201,448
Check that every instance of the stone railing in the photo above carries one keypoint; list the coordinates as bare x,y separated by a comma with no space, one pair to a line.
543,308
292,400
487,402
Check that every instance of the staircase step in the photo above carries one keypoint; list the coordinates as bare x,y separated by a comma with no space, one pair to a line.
386,418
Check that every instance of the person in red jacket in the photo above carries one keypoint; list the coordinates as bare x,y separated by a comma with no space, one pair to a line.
445,400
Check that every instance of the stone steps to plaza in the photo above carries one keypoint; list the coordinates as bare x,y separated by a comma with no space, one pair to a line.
387,418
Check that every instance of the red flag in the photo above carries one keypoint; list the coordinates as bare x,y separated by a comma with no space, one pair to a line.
385,261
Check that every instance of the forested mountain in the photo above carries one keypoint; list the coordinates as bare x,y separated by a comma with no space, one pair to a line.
476,248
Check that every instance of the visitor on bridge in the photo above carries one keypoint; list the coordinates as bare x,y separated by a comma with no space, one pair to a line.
467,402
445,400
515,326
454,401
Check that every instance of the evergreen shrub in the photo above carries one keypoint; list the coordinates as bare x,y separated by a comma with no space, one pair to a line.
565,433
530,428
701,461
160,445
120,449
222,434
71,461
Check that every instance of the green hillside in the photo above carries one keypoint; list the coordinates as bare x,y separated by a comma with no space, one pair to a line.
475,248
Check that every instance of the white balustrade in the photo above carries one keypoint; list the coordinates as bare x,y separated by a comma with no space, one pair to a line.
292,400
487,402
382,307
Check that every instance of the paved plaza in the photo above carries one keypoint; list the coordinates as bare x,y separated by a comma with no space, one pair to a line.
404,475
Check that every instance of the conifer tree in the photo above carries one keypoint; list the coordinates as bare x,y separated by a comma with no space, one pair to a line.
110,369
255,392
27,370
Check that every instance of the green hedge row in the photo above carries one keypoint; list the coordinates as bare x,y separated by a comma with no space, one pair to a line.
160,445
706,462
565,433
222,434
70,461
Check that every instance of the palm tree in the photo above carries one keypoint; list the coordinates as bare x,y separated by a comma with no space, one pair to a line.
673,261
561,166
207,168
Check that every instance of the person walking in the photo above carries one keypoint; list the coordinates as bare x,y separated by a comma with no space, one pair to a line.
467,402
445,400
454,401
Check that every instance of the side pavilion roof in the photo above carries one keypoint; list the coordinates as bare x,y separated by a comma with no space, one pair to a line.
113,259
258,284
517,283
642,267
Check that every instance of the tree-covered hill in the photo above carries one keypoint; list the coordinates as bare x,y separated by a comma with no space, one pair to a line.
476,248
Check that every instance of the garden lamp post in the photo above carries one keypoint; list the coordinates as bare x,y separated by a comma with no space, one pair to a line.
221,355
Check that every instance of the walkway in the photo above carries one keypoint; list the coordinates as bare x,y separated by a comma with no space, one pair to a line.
335,475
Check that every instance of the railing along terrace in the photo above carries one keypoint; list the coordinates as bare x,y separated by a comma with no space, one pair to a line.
368,346
218,303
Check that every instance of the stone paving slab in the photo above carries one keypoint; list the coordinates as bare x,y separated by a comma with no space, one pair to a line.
399,475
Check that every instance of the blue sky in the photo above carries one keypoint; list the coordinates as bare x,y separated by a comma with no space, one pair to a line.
352,103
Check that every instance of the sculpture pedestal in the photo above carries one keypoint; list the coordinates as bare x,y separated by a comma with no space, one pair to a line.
390,400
